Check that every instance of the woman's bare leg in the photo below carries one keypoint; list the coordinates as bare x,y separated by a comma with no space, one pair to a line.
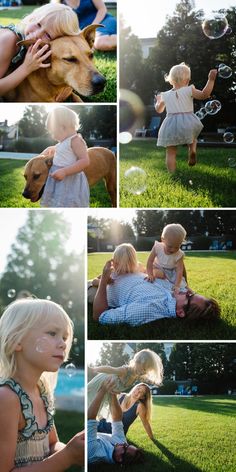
192,153
171,158
105,42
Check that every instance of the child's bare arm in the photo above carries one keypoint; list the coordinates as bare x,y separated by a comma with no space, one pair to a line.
160,104
179,274
10,412
106,369
206,91
150,264
49,151
80,150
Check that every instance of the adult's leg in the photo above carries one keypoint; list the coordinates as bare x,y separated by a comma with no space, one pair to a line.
171,158
192,158
105,42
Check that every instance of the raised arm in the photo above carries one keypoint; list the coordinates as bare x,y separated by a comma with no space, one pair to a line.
150,264
160,104
206,91
93,408
106,369
100,303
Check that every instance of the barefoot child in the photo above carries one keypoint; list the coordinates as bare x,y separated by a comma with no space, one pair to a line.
181,125
44,23
66,185
166,257
145,366
35,339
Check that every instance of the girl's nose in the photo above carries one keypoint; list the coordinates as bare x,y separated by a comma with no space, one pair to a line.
62,344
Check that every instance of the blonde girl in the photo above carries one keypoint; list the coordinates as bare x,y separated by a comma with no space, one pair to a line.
43,24
181,125
35,339
67,185
146,366
166,260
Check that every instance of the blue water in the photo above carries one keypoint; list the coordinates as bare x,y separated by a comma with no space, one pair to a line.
70,385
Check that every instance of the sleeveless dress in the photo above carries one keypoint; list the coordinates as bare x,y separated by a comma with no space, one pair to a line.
129,416
119,386
32,442
73,190
167,263
181,125
86,13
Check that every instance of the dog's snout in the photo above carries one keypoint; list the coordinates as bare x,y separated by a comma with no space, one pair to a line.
26,193
98,82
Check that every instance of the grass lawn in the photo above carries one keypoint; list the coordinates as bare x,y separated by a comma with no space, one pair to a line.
105,62
12,184
211,274
211,183
192,435
68,423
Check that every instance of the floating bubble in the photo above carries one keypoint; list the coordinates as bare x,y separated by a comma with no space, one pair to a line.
190,182
48,297
30,263
70,370
135,180
228,31
42,345
232,162
125,137
228,137
131,110
187,26
76,350
70,304
224,71
11,293
215,26
212,107
201,113
182,48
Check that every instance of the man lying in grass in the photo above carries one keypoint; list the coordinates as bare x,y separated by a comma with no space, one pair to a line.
124,295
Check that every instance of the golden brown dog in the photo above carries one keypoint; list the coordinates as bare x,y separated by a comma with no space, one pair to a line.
72,68
102,166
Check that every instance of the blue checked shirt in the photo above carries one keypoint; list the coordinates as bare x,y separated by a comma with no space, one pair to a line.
136,301
101,445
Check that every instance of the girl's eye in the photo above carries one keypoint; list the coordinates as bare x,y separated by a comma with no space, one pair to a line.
52,333
48,36
39,25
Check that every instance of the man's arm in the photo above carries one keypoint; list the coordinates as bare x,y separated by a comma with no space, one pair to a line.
116,411
93,408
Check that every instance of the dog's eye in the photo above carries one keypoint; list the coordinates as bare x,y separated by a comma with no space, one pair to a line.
70,59
36,176
91,55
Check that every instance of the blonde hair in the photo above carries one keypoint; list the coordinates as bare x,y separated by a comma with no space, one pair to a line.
17,320
174,230
125,259
63,19
62,117
150,363
146,401
178,74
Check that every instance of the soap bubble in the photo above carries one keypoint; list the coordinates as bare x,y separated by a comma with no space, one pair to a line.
42,345
131,110
224,71
70,304
190,182
182,48
228,137
11,293
125,137
48,297
70,370
201,113
187,26
215,26
135,180
228,31
232,162
212,107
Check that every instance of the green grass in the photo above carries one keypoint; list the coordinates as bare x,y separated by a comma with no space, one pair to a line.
12,184
68,423
191,435
211,274
105,62
211,183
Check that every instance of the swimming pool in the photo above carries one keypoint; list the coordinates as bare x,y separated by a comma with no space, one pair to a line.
69,393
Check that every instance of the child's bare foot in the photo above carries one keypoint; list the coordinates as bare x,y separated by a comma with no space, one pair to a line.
192,160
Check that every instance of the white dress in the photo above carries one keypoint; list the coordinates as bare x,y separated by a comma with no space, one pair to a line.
167,263
181,125
73,190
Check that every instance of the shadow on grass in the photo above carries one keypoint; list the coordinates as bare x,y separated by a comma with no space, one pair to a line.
207,405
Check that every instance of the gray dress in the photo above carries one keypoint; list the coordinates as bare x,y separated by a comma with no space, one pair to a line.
73,190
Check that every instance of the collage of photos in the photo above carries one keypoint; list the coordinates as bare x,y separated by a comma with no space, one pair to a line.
118,235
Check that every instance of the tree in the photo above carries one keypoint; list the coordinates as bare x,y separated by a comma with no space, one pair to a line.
33,122
39,263
113,354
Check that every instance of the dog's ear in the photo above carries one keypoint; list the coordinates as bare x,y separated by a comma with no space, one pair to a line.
29,42
89,33
48,161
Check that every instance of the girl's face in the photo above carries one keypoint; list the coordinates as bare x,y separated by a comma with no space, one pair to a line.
44,347
139,393
171,246
41,30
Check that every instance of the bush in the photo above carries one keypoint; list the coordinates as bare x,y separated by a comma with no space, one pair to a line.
169,387
34,145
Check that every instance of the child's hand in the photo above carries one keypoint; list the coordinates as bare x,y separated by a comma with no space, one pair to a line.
212,74
175,291
59,174
150,278
75,448
107,271
36,56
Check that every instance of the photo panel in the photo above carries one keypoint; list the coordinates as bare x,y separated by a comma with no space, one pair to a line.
158,403
177,104
161,274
